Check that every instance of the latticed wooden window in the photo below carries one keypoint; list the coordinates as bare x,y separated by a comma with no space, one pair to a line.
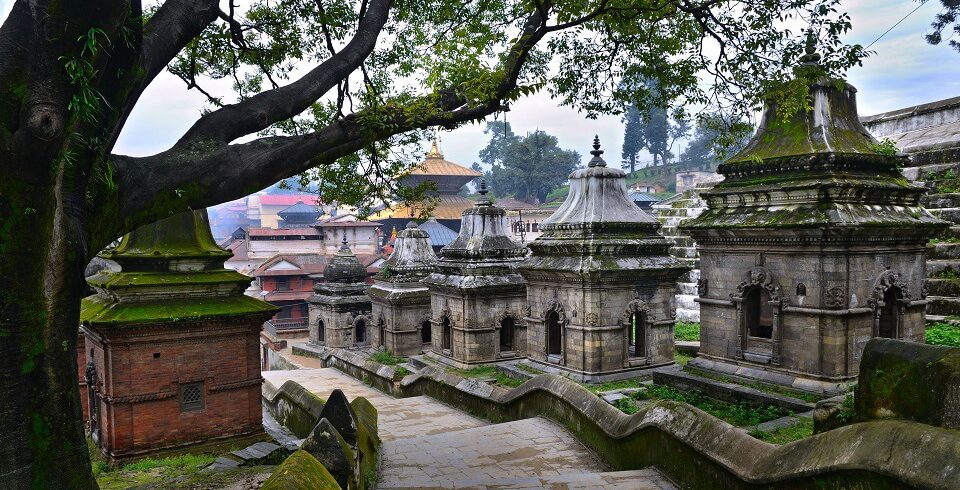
191,397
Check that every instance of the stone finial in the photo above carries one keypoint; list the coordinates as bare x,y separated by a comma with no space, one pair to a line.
483,201
810,57
596,161
343,243
411,225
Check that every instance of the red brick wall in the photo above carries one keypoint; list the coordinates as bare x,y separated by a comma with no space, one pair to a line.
296,283
144,367
81,371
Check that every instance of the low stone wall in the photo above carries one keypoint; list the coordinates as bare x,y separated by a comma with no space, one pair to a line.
293,406
693,448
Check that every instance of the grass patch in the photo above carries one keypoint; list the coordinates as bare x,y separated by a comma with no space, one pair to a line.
528,369
386,358
807,397
738,414
399,372
681,358
489,372
786,434
947,273
943,334
612,385
628,406
185,469
687,331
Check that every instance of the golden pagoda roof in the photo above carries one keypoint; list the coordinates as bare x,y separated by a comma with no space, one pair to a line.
435,164
447,207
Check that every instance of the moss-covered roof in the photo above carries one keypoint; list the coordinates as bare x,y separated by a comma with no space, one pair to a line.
99,311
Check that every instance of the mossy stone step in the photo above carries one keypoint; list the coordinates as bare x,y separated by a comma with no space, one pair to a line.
949,250
944,287
949,214
943,305
946,200
942,267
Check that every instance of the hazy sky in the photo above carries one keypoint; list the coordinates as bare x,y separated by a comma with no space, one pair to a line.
904,71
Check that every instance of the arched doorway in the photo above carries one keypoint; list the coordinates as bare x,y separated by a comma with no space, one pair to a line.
426,332
636,339
321,331
382,332
447,333
506,334
758,313
554,334
890,314
359,332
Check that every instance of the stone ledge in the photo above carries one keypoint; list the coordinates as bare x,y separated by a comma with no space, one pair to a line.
675,437
728,392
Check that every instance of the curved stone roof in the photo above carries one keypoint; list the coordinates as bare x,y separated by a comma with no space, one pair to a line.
440,235
412,255
345,267
300,208
598,195
483,233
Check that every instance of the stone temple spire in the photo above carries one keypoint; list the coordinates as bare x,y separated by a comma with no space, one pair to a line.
596,161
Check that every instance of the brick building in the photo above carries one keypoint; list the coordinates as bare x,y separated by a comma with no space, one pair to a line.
172,343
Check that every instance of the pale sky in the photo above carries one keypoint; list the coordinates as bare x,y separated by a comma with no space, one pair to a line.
904,71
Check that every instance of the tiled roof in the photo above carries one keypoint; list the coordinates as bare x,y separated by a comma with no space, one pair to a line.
309,263
288,199
448,206
439,166
642,197
283,232
301,208
440,236
511,204
348,224
286,295
239,249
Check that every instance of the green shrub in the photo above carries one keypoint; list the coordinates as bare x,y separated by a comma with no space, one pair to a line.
387,359
943,334
628,406
687,331
399,372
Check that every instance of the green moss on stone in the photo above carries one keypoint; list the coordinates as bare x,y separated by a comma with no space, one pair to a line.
301,471
98,311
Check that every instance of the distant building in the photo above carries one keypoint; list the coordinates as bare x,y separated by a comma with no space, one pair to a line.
524,218
648,187
689,179
300,215
270,205
643,200
447,206
284,281
440,235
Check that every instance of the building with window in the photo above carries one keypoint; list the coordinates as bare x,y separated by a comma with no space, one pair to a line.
339,309
600,282
400,302
286,281
812,245
172,343
477,298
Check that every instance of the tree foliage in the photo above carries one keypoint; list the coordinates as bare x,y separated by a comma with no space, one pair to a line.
714,139
531,167
946,20
633,138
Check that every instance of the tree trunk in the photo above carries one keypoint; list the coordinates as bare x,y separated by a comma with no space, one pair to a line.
42,256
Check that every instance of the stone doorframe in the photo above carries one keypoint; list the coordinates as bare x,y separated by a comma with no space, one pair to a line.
646,321
437,326
353,328
498,320
425,318
759,278
886,280
555,306
382,331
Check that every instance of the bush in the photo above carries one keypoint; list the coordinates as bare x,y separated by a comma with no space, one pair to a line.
687,331
943,334
386,358
738,414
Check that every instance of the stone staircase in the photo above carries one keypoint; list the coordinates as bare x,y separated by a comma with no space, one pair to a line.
672,213
427,444
943,253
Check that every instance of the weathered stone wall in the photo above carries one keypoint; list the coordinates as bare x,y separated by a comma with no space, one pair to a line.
822,332
594,323
672,213
403,312
475,317
339,321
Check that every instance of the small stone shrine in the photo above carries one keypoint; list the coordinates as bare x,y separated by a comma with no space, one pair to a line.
600,282
401,304
340,308
477,298
812,245
173,352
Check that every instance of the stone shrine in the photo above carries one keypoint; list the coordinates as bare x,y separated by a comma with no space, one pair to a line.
400,303
340,308
812,245
600,282
172,342
477,298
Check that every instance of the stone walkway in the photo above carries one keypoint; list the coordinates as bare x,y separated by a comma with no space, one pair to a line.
427,444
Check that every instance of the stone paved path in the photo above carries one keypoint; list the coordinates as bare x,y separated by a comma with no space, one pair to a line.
427,444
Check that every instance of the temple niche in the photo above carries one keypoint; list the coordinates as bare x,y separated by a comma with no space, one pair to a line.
401,304
477,298
812,245
600,282
339,313
172,343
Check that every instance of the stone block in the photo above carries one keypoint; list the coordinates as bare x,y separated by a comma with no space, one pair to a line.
329,448
301,471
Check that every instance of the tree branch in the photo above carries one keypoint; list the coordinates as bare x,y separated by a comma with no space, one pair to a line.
203,173
260,111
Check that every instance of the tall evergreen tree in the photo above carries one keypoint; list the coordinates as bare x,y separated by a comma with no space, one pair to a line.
633,138
533,166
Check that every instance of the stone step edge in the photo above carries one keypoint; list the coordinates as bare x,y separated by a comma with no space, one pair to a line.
651,474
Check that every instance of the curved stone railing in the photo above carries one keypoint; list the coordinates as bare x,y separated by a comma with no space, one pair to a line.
694,448
294,406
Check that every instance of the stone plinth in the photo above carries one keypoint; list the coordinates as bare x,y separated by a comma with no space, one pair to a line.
339,313
172,343
600,282
811,246
400,302
477,298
